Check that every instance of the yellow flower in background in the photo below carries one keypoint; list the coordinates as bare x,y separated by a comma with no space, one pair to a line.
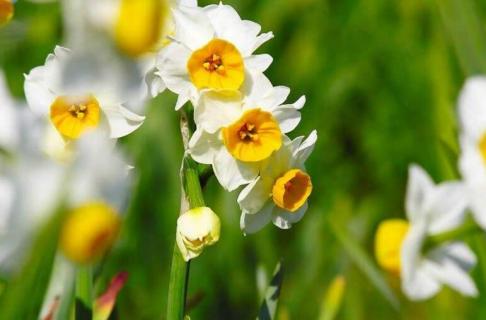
139,25
235,132
89,231
6,11
196,229
212,48
279,194
388,244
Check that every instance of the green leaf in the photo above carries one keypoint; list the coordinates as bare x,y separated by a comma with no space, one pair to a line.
33,278
333,299
269,306
365,264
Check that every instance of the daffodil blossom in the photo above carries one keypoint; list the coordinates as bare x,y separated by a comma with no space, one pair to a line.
279,194
472,162
431,210
212,48
75,102
235,133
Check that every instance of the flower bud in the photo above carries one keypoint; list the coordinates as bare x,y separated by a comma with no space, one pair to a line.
89,231
196,229
6,11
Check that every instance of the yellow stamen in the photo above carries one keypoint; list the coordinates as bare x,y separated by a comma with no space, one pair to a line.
6,11
72,116
218,65
482,147
291,190
253,137
388,242
89,231
140,25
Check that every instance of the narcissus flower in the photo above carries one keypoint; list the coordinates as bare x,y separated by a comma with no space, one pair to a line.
75,104
6,11
212,48
279,194
472,162
235,133
399,244
196,229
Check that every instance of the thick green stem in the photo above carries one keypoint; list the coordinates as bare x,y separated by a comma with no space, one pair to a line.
192,197
84,292
466,229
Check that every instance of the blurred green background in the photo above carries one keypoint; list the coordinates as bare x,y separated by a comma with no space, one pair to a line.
381,79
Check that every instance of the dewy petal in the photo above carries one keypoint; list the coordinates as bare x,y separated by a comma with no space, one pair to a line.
472,107
251,223
121,120
419,187
193,27
203,146
285,219
232,173
254,196
447,207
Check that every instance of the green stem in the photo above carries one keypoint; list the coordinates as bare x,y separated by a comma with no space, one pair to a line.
66,304
466,229
192,197
84,292
465,29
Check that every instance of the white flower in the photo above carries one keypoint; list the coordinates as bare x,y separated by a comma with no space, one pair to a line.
196,229
472,162
280,193
234,133
432,210
212,48
78,95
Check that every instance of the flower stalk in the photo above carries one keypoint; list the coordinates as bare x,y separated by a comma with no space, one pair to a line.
468,228
191,197
84,292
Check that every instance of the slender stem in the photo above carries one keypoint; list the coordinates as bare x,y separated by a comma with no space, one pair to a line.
67,298
84,292
191,197
466,229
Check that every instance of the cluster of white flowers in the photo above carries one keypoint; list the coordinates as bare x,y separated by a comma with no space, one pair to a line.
405,247
241,118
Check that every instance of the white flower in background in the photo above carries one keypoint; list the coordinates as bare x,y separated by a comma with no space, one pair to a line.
197,229
280,193
212,48
235,133
399,244
472,162
75,102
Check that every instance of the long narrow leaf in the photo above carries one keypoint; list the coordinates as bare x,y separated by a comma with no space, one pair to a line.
268,308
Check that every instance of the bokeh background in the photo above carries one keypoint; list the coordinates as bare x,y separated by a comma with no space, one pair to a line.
381,79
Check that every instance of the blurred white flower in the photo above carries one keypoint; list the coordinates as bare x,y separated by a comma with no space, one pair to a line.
472,162
279,194
77,100
196,229
212,48
234,132
400,244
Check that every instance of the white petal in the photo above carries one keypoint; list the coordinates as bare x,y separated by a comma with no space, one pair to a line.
285,219
232,173
193,27
422,286
7,197
39,97
258,63
287,117
121,120
472,107
261,39
251,223
155,84
447,207
217,110
419,188
305,149
254,196
204,146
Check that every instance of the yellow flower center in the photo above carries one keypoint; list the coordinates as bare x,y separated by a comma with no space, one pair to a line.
89,231
482,147
74,115
388,242
218,65
291,190
6,11
140,25
253,137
